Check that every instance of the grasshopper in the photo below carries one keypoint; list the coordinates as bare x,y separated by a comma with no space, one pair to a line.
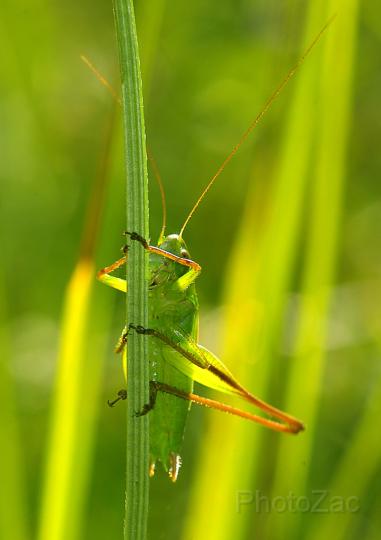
176,357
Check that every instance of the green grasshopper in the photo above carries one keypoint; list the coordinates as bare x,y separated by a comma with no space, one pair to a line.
176,357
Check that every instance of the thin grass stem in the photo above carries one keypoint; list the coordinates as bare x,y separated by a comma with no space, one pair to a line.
137,487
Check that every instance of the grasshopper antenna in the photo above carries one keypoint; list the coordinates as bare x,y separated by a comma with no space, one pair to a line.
151,159
256,120
101,78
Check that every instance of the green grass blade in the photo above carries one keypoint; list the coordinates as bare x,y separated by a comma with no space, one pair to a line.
256,294
137,487
322,240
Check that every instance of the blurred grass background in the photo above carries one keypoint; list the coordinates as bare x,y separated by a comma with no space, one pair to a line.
288,240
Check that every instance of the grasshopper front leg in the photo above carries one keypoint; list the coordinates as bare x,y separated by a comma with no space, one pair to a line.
154,249
184,281
112,281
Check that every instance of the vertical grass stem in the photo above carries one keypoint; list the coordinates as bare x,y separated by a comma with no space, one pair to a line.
137,489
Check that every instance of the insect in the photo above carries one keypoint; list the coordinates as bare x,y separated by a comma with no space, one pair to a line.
176,357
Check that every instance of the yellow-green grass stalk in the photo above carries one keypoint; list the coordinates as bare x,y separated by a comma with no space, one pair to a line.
257,282
307,367
67,428
78,379
13,511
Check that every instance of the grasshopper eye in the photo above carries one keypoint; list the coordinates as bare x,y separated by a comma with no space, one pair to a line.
184,254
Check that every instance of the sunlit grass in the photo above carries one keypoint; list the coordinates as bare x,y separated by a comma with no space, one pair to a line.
75,401
257,292
322,238
67,421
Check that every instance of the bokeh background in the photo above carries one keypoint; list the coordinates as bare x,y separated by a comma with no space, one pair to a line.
288,240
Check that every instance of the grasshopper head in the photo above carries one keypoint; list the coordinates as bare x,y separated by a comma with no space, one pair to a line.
164,270
173,243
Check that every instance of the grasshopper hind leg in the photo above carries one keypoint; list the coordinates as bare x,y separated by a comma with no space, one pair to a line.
153,390
122,395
